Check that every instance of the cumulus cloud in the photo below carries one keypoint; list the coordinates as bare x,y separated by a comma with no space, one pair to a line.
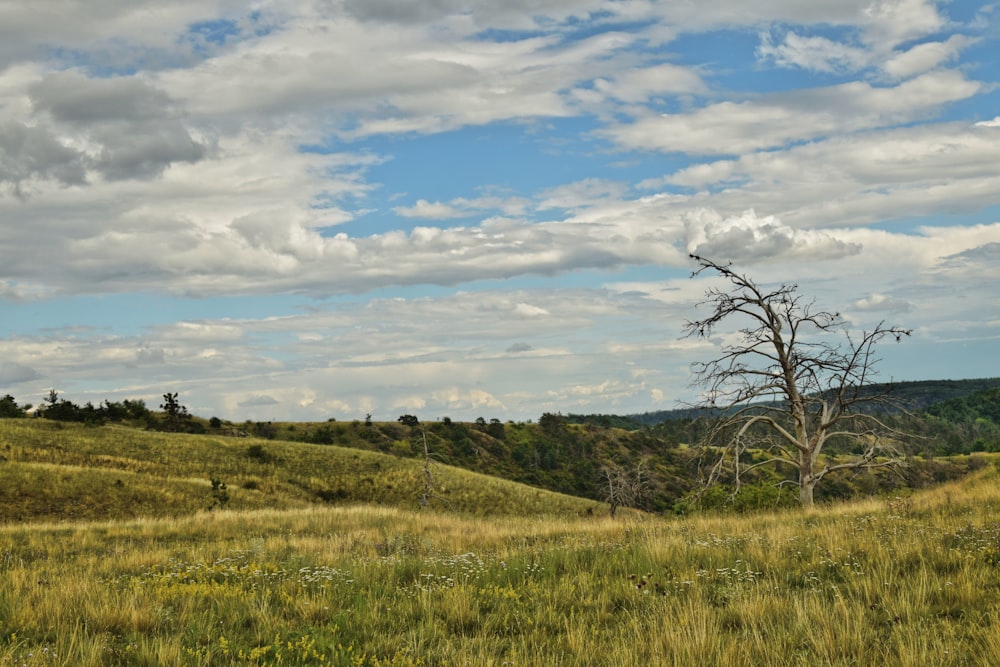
27,153
78,127
749,238
126,127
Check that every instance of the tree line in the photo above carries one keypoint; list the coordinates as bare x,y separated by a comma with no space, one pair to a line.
174,416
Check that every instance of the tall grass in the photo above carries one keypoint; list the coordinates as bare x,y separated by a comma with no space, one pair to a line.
869,583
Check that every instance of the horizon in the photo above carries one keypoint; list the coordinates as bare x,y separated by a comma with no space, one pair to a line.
310,210
34,409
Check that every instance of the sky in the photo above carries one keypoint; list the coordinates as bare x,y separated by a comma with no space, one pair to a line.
315,209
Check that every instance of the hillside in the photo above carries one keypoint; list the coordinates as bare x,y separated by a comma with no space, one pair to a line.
286,465
56,471
984,404
913,396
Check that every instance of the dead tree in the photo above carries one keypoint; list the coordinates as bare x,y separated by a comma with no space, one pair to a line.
784,390
625,487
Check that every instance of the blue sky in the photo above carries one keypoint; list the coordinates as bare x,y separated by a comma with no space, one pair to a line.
465,208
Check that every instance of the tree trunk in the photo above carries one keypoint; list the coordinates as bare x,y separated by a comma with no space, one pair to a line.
807,481
806,493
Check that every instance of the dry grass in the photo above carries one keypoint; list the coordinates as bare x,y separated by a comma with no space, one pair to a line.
872,583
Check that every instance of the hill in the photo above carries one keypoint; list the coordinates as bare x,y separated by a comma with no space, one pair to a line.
68,471
915,396
983,404
82,469
57,471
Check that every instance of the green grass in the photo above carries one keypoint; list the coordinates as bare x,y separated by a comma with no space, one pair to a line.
911,582
56,471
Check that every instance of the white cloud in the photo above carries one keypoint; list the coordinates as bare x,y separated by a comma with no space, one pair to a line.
748,238
638,85
925,56
429,210
783,118
585,342
813,53
859,179
878,302
892,22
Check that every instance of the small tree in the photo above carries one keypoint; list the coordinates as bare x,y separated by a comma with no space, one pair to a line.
176,415
782,393
409,420
10,409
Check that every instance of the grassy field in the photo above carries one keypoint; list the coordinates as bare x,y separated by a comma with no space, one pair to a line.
907,582
120,547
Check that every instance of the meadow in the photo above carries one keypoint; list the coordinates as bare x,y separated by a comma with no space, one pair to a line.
911,581
126,547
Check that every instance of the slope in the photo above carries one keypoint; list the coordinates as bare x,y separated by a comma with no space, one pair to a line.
56,471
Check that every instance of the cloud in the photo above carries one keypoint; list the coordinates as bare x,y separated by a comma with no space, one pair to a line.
749,238
639,85
812,53
925,56
12,373
146,355
892,22
432,355
127,127
517,348
258,400
27,153
878,302
854,179
429,210
779,119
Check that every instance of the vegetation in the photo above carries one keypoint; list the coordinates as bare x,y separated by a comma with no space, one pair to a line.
904,582
915,397
58,471
981,405
150,473
121,545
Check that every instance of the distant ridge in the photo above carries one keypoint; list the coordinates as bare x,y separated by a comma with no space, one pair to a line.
916,396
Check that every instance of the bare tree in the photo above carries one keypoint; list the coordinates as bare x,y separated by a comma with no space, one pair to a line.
431,486
626,487
783,392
